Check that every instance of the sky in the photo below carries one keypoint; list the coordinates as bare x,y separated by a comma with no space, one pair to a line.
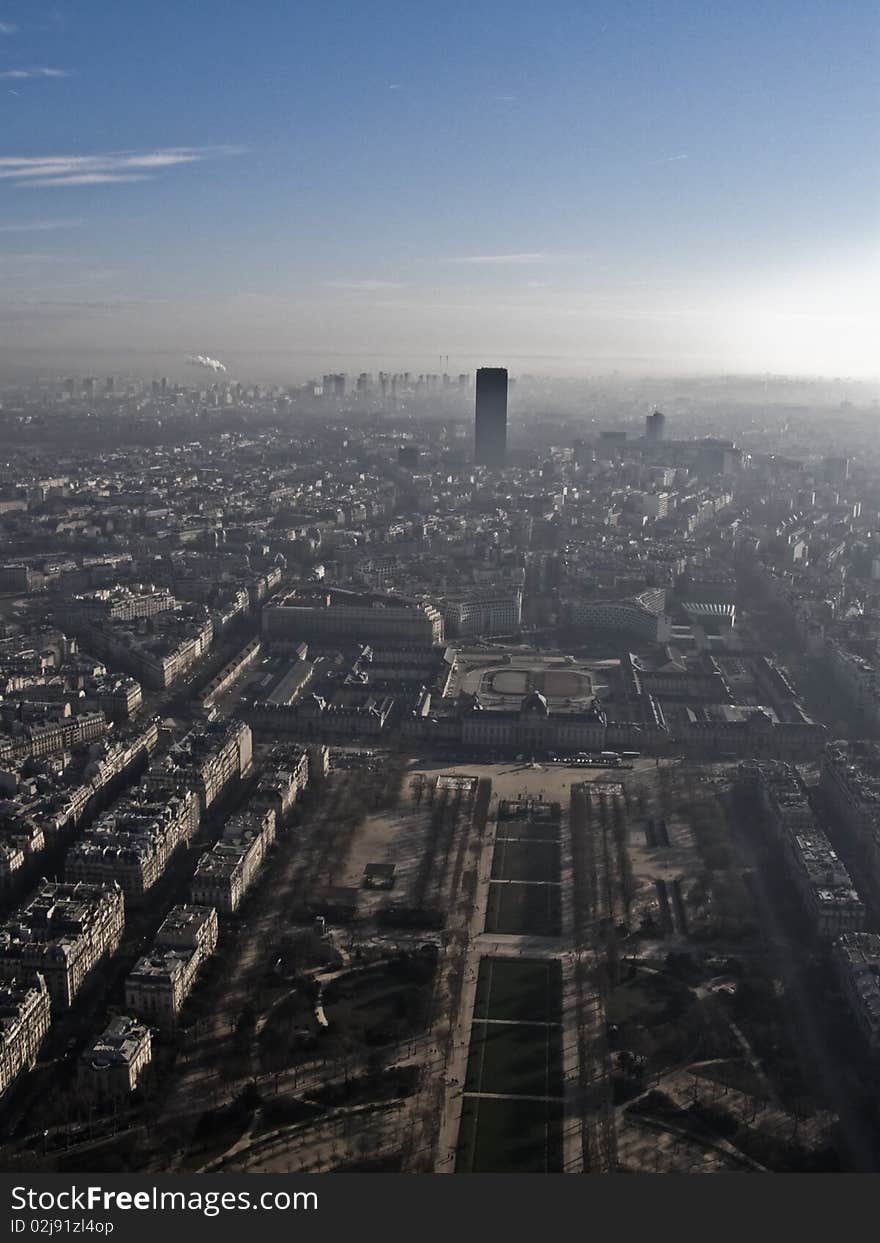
561,187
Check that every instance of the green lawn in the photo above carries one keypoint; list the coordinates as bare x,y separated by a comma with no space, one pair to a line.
519,1059
519,990
509,1136
525,860
528,910
515,1053
535,830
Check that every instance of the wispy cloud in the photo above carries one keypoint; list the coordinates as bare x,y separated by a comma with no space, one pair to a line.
29,257
90,170
368,286
529,256
8,28
669,159
41,71
89,179
38,226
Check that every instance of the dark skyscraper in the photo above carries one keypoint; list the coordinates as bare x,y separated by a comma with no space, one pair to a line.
490,429
655,426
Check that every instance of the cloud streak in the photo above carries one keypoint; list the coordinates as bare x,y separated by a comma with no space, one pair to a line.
42,71
531,256
90,170
362,286
89,179
39,226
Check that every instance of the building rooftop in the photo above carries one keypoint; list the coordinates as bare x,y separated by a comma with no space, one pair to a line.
118,1045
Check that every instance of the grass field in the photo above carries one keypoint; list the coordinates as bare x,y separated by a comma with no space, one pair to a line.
509,1136
526,854
518,860
517,1059
512,1109
532,830
515,1056
524,910
519,990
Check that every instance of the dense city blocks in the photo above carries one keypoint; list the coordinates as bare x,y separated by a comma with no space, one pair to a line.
399,777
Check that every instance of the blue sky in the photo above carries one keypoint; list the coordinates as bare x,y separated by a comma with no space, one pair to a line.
568,186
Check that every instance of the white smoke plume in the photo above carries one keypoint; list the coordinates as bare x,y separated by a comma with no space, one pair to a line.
200,360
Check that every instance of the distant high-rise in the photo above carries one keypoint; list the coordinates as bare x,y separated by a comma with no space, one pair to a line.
490,424
655,426
334,386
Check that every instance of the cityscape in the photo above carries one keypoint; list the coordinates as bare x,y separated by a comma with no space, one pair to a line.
440,773
439,604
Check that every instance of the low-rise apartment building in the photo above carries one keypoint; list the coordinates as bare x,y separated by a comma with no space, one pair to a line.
62,932
135,841
160,982
205,760
850,783
822,880
111,1066
25,1015
856,959
284,776
225,873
